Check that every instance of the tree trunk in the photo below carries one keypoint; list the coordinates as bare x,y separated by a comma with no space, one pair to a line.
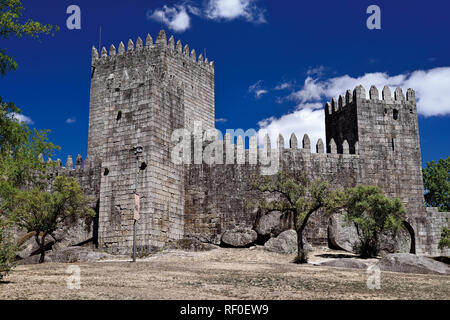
302,254
42,245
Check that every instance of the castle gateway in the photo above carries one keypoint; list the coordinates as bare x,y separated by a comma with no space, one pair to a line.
141,94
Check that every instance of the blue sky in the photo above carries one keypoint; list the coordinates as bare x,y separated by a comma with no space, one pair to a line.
276,62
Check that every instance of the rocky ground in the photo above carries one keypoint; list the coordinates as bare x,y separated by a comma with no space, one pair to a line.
223,273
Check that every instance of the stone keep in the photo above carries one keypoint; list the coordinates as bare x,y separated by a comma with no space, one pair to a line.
139,96
142,93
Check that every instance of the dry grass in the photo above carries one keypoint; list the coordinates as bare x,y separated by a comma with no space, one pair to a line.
217,274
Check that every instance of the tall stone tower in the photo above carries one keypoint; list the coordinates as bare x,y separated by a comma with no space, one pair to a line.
139,96
385,134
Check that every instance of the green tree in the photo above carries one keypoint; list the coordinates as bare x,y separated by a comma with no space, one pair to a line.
436,181
294,196
373,213
7,248
11,24
445,238
43,212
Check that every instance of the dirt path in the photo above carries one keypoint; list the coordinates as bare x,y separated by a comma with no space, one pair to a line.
217,274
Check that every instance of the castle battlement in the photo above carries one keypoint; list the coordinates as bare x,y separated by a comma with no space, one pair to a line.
160,43
347,100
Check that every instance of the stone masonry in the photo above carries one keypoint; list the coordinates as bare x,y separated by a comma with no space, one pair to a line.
141,94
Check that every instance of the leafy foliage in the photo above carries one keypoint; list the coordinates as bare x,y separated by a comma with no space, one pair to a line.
293,195
20,148
11,12
7,248
445,238
43,212
372,212
436,180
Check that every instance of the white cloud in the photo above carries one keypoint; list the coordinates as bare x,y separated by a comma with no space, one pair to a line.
307,118
431,86
71,120
257,89
232,9
175,18
283,86
432,89
21,118
221,120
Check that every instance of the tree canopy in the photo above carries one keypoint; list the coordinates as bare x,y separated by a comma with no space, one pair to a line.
295,196
11,24
436,181
372,212
43,212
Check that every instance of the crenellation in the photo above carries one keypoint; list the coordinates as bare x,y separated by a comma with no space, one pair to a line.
293,143
112,50
319,146
179,48
186,51
373,93
121,48
411,96
398,95
69,163
148,41
306,144
386,94
139,44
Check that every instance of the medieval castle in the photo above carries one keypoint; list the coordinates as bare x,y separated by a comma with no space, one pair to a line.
142,93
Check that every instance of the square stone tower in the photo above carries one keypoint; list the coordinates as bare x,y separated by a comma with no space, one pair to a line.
384,132
139,96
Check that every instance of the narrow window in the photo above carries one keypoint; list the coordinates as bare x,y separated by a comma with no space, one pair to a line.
393,146
106,172
395,114
119,115
143,166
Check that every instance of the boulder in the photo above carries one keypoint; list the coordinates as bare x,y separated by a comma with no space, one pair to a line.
343,236
272,224
340,235
77,254
69,234
345,263
400,242
191,244
411,263
286,242
239,237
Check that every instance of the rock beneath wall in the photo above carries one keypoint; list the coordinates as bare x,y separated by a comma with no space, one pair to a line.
77,254
191,244
400,242
272,224
239,237
411,263
340,235
345,263
69,255
286,242
67,235
343,236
